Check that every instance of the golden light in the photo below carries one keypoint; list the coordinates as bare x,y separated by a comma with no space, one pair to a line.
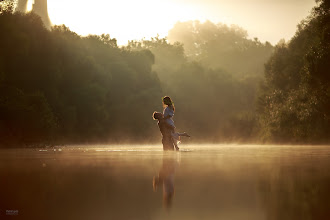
29,5
130,19
124,20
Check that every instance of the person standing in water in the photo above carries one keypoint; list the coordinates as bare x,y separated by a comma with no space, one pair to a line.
168,117
165,129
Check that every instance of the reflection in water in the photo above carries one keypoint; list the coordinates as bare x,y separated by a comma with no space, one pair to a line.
165,177
214,182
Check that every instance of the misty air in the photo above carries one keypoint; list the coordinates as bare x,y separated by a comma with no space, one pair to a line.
169,109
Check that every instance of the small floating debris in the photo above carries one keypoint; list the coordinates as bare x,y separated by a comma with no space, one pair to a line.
43,150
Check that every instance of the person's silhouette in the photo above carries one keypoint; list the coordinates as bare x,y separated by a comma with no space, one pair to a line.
167,139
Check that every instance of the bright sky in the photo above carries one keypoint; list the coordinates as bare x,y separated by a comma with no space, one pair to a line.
125,20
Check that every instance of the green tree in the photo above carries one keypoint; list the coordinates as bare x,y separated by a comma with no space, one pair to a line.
57,86
212,104
295,103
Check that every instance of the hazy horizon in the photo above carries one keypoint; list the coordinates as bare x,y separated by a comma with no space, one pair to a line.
131,20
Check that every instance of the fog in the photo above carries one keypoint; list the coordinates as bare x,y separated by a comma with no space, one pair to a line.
128,20
142,182
266,19
58,87
77,136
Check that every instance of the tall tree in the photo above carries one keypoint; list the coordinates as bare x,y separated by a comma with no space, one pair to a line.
295,105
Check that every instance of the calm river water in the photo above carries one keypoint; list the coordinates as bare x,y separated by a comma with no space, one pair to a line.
143,182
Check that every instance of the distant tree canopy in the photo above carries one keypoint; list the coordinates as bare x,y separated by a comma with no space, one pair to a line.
211,103
59,87
295,104
221,46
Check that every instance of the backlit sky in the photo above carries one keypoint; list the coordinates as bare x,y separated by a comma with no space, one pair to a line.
125,20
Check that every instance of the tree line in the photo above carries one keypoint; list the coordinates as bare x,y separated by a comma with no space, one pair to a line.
294,105
58,87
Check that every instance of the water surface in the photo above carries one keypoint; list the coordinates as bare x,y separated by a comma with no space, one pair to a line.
143,182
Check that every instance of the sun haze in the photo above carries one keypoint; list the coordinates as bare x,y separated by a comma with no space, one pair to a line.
129,19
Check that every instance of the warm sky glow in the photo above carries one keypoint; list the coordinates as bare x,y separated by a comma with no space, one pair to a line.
130,19
29,5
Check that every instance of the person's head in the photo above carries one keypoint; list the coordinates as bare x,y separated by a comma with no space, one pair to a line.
167,101
157,115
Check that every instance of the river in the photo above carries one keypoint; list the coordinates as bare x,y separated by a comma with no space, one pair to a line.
143,182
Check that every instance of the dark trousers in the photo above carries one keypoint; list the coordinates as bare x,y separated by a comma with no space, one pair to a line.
167,143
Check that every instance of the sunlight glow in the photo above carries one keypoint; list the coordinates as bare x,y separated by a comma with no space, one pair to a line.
124,20
29,5
133,20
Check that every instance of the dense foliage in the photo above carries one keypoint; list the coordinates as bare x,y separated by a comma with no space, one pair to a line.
213,104
295,105
59,87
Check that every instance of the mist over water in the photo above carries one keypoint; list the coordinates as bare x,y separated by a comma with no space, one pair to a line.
143,182
58,87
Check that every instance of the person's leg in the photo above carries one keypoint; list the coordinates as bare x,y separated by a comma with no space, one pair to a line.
167,143
175,138
184,134
175,143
